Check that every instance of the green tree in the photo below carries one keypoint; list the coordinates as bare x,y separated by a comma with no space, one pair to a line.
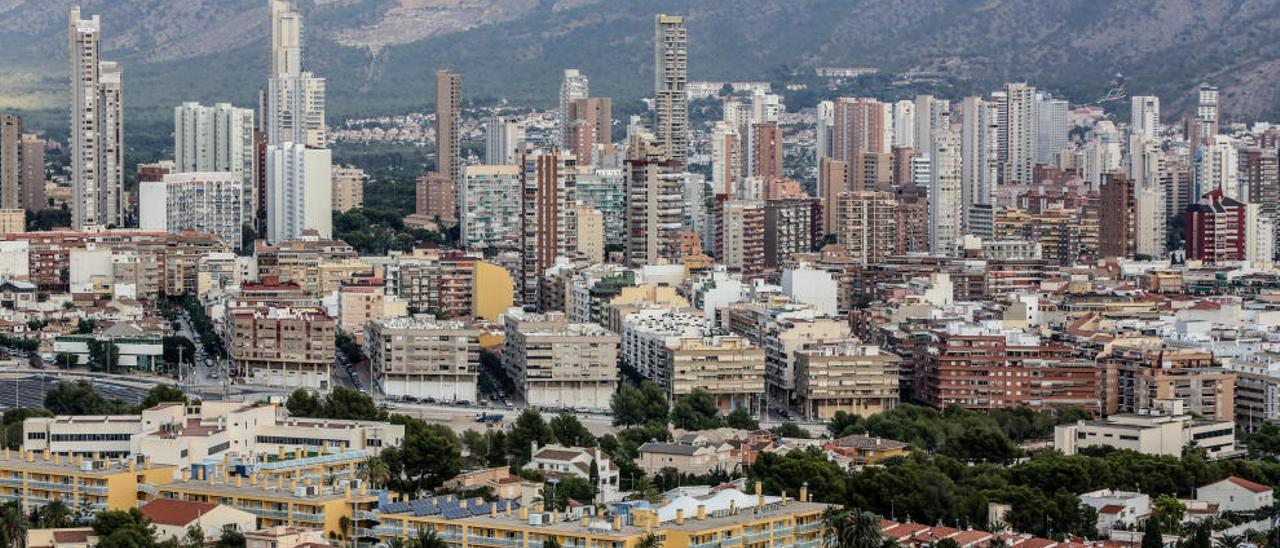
194,537
529,427
428,539
56,515
428,456
570,432
1151,535
739,418
162,393
633,406
696,410
123,529
1168,512
231,538
347,404
65,360
551,543
982,444
375,471
790,429
104,355
12,421
302,403
557,494
846,424
176,348
79,398
1265,442
777,473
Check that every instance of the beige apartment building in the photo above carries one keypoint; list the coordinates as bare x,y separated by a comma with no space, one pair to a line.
556,363
728,367
283,347
845,376
317,265
364,299
590,229
172,434
424,358
348,188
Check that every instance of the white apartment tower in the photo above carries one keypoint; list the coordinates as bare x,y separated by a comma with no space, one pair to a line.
299,192
97,128
932,117
945,206
574,86
217,139
671,74
1021,133
203,202
1207,112
502,138
726,157
1144,119
1051,128
822,140
904,124
980,148
295,98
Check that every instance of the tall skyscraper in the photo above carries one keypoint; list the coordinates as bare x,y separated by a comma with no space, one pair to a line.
1260,178
904,124
216,139
932,117
33,172
448,112
548,196
574,86
1144,116
1207,112
865,225
670,76
823,128
502,138
980,147
1051,128
859,127
726,158
833,180
295,103
946,213
654,205
590,128
766,151
1117,217
299,191
1021,133
97,140
1216,228
11,191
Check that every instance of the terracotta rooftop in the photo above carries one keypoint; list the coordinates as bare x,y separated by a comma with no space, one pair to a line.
175,512
1252,486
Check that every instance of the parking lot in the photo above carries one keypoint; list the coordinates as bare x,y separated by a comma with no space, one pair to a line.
28,389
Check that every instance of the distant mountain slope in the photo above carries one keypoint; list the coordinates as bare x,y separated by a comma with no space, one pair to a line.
379,54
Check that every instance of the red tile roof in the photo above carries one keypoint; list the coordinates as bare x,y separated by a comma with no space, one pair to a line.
175,512
72,536
1111,509
1250,485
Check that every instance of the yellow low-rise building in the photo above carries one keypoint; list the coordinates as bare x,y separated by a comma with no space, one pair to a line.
279,501
727,517
83,484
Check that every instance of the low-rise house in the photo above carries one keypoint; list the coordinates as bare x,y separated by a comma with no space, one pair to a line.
557,461
687,458
173,518
71,537
1236,494
285,536
500,482
1117,508
866,449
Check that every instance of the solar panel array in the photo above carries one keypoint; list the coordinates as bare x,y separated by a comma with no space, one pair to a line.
448,506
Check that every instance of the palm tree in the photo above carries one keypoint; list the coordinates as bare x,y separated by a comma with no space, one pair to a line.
428,539
1228,541
56,515
376,472
551,543
851,529
649,540
344,525
13,525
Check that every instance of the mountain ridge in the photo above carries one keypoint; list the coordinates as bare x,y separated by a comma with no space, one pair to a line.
378,55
